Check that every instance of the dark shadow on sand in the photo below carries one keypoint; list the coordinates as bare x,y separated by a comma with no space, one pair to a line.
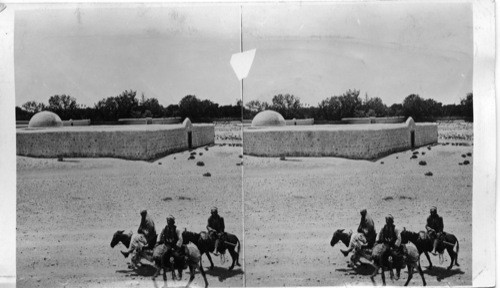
145,270
223,273
441,272
363,269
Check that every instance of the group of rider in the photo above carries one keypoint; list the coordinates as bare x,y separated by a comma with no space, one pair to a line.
390,235
171,237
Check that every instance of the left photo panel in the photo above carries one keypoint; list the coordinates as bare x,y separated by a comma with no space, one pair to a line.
129,146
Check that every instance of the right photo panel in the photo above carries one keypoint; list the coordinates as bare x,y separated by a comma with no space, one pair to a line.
358,144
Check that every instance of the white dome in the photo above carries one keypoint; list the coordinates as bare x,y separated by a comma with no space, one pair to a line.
45,119
268,118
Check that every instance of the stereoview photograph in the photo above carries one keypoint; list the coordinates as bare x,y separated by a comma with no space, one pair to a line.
244,144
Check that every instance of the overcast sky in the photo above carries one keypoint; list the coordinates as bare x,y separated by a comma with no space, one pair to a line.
387,50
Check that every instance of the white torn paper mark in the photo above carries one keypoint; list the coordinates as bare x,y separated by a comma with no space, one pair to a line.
242,62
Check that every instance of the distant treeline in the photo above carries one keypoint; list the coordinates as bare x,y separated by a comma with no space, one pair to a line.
334,108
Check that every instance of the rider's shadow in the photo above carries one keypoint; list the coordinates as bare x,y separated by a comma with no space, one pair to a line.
363,269
223,273
145,270
442,273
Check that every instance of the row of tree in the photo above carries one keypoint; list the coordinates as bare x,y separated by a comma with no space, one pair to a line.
334,108
128,105
350,104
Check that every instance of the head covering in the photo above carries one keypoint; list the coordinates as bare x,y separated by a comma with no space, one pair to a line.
389,219
144,212
363,212
170,218
214,210
434,209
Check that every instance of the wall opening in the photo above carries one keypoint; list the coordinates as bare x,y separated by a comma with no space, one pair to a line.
190,139
412,139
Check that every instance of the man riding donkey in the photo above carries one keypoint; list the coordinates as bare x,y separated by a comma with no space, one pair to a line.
367,235
147,228
435,228
390,236
215,228
170,239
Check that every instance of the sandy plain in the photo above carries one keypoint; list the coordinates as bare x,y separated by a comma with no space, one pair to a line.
292,208
67,212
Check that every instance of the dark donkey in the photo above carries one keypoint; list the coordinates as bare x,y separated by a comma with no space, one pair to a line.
424,244
202,241
206,244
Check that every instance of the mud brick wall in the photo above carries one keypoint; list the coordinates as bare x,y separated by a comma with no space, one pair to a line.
425,133
356,142
129,142
203,134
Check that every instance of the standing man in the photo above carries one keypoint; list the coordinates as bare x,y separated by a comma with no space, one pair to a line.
216,225
435,226
367,227
147,228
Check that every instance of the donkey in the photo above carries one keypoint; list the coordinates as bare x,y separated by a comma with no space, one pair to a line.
206,244
424,244
375,257
202,241
346,237
411,258
192,260
136,241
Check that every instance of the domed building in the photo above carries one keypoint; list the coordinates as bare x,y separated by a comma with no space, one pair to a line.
268,118
45,119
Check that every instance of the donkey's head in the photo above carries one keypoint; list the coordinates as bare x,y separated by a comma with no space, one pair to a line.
337,235
117,238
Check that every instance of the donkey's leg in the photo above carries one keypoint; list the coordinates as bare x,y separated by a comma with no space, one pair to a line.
453,256
428,259
234,257
383,276
421,275
355,259
164,263
372,277
191,277
209,259
180,273
410,274
391,272
419,261
173,273
157,264
203,274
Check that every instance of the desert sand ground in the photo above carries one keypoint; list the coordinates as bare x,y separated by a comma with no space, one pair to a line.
68,211
292,208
